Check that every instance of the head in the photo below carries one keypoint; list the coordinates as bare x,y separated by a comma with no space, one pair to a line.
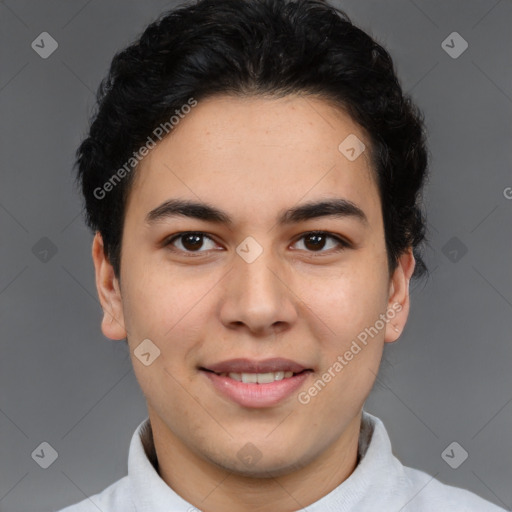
253,175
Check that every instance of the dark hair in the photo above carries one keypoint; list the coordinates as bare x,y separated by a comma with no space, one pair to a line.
255,47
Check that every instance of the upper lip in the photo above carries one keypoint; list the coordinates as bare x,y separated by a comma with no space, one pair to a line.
251,366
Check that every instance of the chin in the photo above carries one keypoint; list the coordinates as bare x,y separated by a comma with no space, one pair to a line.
259,466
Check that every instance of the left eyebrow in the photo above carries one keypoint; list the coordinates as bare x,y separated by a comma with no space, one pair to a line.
340,208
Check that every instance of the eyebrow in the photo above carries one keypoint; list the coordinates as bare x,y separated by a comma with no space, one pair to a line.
339,208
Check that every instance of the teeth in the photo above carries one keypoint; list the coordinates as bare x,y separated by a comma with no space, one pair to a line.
250,378
260,378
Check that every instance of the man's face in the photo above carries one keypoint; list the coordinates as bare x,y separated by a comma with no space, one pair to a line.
256,289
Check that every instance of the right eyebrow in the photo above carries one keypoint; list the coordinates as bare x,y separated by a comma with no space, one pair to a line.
186,208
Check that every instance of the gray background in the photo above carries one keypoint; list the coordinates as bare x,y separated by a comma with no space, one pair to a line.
447,379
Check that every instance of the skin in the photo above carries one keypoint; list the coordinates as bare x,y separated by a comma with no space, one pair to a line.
253,158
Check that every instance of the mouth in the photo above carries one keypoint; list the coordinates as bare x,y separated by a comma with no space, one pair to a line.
258,378
275,365
256,384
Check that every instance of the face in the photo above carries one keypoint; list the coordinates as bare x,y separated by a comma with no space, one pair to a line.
263,289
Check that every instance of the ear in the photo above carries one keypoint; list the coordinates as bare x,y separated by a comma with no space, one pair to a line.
398,302
109,293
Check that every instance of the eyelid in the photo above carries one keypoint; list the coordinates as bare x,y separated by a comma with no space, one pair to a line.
342,242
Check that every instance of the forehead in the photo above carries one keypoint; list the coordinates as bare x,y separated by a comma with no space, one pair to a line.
257,153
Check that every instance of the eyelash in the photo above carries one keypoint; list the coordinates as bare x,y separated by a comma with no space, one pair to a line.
169,241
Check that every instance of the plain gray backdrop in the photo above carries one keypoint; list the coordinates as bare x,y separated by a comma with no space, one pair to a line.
448,377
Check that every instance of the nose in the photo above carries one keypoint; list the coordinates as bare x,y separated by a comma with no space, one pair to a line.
258,296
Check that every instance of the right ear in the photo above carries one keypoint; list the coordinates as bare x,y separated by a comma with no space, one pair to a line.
109,293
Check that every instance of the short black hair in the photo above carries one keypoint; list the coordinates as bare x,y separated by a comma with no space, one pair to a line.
269,48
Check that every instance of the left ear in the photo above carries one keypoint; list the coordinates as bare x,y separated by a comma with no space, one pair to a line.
398,302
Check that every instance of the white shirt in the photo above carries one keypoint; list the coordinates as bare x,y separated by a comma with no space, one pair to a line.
379,483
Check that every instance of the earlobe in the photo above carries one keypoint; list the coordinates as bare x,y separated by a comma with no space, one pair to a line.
109,293
399,300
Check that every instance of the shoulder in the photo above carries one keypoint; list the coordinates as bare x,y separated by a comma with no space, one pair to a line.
113,498
410,489
432,494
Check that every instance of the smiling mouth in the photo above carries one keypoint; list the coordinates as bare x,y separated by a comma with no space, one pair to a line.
258,378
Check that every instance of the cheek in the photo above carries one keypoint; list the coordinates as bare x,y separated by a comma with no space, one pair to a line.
156,299
345,303
344,312
168,309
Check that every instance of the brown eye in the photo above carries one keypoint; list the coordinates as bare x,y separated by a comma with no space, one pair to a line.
190,242
316,241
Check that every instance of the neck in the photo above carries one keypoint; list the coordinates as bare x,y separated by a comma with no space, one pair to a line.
210,487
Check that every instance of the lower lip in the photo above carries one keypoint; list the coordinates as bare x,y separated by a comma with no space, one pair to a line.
256,395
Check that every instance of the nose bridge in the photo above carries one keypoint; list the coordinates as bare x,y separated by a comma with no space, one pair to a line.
257,278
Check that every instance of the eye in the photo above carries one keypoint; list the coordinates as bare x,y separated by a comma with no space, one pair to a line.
315,241
190,241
